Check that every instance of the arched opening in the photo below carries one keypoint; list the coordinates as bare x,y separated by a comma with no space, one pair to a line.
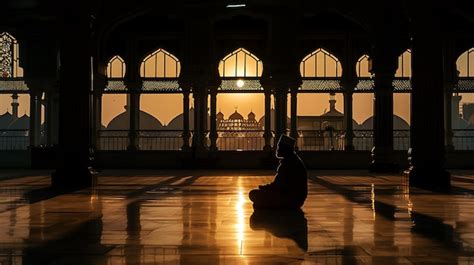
14,98
240,103
320,112
114,121
402,102
161,103
462,105
363,106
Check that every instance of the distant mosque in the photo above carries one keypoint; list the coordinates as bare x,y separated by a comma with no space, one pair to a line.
235,132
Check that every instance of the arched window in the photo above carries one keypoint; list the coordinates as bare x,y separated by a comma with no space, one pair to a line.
160,64
362,67
404,65
465,64
240,63
320,63
116,67
9,57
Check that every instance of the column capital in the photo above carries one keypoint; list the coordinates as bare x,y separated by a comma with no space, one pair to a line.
40,85
134,86
100,83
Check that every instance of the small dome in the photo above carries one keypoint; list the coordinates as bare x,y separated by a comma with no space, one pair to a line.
236,116
220,116
251,116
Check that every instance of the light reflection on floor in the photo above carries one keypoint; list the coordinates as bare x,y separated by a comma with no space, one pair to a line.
206,218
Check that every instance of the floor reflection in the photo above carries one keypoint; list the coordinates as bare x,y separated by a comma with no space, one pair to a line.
183,219
283,224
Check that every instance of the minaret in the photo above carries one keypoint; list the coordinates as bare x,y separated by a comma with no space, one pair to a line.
15,105
332,102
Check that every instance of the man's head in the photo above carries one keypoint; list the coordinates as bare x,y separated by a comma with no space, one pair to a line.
285,147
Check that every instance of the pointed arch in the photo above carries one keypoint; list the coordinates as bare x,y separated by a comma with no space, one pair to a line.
363,66
404,65
320,64
240,63
9,57
465,63
160,64
116,67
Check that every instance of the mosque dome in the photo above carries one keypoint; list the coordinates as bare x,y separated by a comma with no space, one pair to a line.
122,122
236,116
6,119
22,123
261,121
177,122
398,124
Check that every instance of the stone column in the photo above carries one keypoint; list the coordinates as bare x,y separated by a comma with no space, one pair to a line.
73,169
281,98
134,112
186,133
348,118
97,119
100,84
268,134
448,114
450,81
294,113
200,120
427,152
52,116
35,117
384,68
213,120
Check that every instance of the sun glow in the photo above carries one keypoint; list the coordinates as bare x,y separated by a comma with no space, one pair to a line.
240,83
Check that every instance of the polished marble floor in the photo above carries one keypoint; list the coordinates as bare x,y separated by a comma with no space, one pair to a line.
205,217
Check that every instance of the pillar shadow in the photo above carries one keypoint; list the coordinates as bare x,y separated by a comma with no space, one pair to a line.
291,224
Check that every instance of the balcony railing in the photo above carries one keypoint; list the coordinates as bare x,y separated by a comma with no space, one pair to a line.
401,140
320,140
363,140
113,140
160,140
118,140
251,140
463,139
14,139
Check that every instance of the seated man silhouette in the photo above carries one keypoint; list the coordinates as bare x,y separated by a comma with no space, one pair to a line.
289,188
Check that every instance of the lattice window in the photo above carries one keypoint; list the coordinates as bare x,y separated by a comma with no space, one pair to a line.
241,63
160,64
321,85
362,67
241,85
168,86
320,64
116,67
404,65
465,64
9,57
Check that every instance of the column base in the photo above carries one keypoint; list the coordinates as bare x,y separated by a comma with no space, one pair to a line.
434,179
73,179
